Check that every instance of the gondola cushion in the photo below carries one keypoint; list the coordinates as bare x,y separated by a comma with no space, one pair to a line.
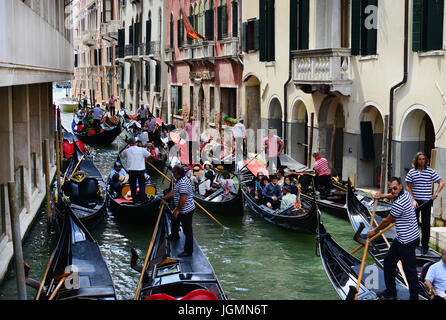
88,188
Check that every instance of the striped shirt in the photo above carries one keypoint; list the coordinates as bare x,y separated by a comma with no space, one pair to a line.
184,186
321,166
422,183
406,222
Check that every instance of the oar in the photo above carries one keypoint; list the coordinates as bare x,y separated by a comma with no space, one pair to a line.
61,281
201,207
366,249
149,252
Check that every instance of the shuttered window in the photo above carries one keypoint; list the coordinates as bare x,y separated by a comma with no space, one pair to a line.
121,43
180,32
267,30
209,24
427,25
299,24
235,19
148,31
147,84
251,35
171,32
364,37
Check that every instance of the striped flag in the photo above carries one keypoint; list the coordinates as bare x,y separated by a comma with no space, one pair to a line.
191,33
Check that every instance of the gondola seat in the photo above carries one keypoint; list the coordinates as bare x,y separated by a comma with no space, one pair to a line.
198,294
425,269
84,193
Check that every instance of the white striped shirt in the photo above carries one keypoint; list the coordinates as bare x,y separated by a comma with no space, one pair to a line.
184,186
422,183
406,222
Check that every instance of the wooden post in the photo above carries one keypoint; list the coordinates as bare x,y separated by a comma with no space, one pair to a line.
47,178
310,142
57,154
153,106
17,242
162,104
384,156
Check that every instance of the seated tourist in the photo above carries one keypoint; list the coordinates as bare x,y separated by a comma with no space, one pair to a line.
228,185
288,198
435,281
273,193
117,168
205,187
288,182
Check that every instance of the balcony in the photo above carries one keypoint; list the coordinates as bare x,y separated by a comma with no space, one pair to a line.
89,37
325,70
109,30
204,51
131,53
169,56
151,49
230,48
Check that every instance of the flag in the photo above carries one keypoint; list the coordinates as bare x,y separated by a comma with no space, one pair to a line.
191,33
298,204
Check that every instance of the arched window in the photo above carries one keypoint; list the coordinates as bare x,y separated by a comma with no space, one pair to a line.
201,19
171,31
149,29
180,30
209,20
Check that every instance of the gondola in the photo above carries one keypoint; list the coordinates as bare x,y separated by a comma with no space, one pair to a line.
76,269
168,277
108,133
303,220
335,204
342,270
123,208
83,190
360,217
68,148
219,204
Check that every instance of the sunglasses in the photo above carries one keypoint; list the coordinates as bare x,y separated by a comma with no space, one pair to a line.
394,188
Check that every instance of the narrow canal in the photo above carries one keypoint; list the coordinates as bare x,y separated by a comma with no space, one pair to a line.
252,259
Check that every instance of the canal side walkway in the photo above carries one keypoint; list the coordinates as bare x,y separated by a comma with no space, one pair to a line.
26,221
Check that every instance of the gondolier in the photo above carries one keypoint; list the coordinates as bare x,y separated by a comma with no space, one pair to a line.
404,245
419,185
323,174
183,198
136,166
97,118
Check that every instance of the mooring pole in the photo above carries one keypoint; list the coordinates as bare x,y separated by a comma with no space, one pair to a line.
17,242
47,178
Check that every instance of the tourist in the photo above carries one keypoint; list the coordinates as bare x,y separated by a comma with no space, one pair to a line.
228,185
141,115
111,103
273,193
117,168
435,280
273,147
288,198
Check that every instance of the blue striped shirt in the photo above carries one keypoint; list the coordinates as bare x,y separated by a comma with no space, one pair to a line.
406,222
422,183
184,186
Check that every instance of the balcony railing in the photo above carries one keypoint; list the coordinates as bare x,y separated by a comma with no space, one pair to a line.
230,47
323,67
169,55
200,51
89,37
151,49
109,30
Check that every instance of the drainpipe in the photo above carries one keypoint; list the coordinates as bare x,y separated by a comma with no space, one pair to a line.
285,96
397,86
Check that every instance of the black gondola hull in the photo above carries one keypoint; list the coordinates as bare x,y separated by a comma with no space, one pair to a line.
103,138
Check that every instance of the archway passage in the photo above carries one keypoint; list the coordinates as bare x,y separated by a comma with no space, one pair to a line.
417,135
371,141
298,133
275,116
331,122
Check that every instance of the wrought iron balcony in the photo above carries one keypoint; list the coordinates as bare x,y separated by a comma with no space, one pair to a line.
323,69
150,49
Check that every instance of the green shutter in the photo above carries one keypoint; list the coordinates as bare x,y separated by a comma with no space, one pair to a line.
179,40
294,26
262,30
257,35
417,25
130,34
171,34
271,22
245,37
224,21
219,23
304,24
148,31
121,43
434,23
209,16
372,34
356,28
137,32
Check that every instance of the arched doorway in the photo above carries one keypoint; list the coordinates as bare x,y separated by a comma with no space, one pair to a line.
331,122
275,116
298,138
371,142
417,135
252,103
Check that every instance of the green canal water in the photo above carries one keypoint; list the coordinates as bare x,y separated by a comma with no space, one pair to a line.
253,259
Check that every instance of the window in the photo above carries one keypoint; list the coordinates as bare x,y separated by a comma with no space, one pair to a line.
158,77
299,24
107,11
222,21
191,100
364,37
149,30
131,77
171,32
121,43
212,104
209,23
235,18
229,102
177,100
147,84
251,35
427,25
34,170
267,30
180,31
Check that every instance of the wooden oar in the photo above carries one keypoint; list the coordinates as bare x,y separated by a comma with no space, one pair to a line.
149,252
61,281
366,249
200,206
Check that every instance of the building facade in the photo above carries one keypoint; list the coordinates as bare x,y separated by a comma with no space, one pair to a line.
204,77
32,56
140,56
95,26
357,68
